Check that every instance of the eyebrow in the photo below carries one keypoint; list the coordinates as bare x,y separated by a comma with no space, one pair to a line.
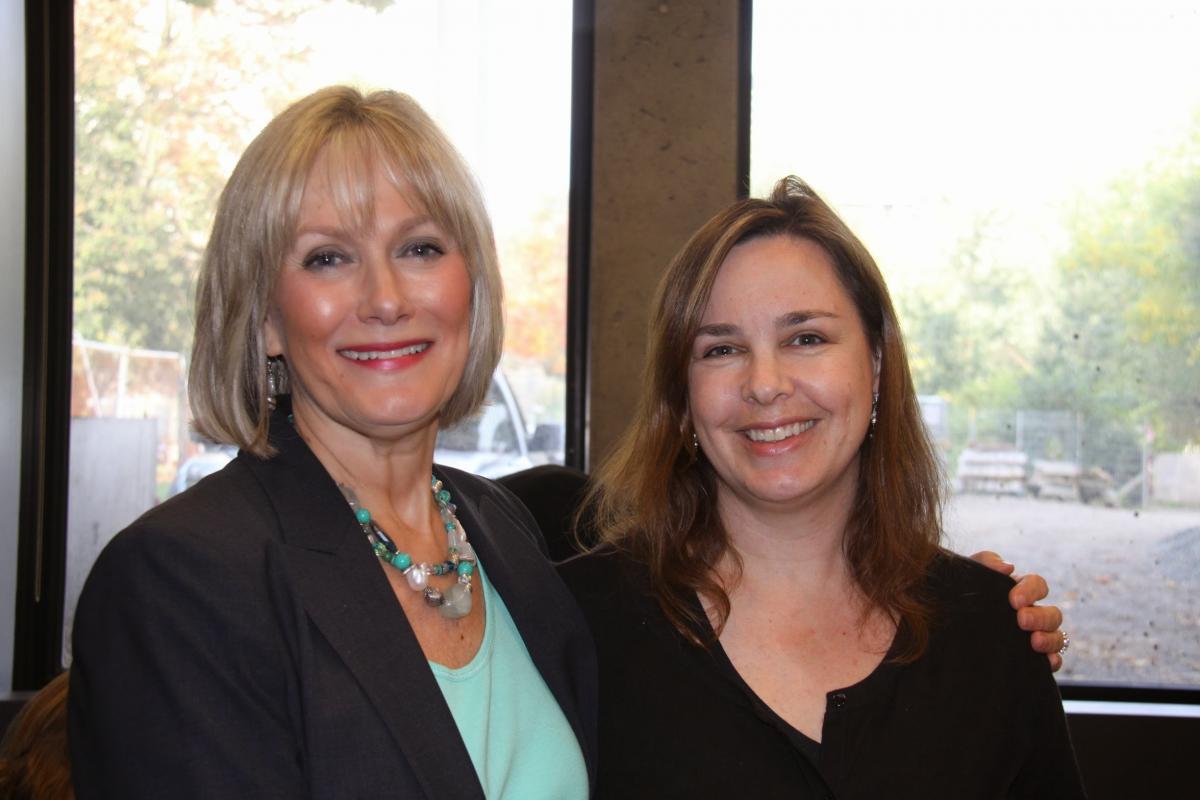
788,320
800,317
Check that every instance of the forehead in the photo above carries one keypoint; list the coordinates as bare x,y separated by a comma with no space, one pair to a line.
774,275
345,185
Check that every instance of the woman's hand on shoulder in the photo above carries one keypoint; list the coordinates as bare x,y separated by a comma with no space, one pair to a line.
1043,622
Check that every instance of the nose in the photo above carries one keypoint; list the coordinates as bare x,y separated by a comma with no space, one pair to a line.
384,297
766,381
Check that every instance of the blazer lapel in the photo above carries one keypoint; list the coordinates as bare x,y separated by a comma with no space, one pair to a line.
338,581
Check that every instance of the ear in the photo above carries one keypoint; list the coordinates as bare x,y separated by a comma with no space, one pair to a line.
272,335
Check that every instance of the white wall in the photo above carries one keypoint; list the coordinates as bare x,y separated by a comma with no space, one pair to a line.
12,316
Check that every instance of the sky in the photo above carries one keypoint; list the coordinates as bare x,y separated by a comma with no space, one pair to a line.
495,75
916,118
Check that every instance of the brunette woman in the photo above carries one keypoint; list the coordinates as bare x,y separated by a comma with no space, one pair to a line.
773,610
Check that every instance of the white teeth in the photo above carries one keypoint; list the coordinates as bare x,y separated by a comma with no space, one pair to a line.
371,355
780,433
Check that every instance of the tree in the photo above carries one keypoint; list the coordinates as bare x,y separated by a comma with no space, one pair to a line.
536,287
962,341
168,94
1124,345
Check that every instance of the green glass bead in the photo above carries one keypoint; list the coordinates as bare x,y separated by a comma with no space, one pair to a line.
466,568
456,602
443,496
402,561
363,516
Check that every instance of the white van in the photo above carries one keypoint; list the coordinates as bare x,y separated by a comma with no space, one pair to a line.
490,443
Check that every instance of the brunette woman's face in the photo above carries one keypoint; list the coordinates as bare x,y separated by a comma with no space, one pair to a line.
781,378
374,324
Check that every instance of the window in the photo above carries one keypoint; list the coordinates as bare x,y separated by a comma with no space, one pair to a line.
169,92
1028,178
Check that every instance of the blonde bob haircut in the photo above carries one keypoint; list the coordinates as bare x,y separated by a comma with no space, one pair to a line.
655,496
256,219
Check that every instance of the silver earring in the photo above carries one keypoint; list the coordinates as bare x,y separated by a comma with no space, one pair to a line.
276,381
874,414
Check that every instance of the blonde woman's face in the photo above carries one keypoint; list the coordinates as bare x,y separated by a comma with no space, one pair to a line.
374,324
781,378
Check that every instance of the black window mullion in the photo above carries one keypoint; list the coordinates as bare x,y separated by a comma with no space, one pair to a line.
46,401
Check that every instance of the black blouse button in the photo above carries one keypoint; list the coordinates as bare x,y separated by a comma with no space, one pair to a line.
838,699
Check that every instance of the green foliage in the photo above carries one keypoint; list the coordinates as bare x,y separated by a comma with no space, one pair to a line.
1119,341
961,340
169,93
1124,345
161,116
1114,338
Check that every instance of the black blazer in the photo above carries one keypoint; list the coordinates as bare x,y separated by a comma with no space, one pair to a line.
241,641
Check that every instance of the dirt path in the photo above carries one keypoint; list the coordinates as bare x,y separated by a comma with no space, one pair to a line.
1128,582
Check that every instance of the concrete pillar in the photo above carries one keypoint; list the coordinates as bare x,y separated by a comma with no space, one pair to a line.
665,158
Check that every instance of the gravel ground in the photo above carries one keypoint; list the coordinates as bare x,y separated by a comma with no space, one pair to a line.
1127,581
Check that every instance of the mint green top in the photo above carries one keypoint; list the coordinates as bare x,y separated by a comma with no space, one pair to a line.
520,742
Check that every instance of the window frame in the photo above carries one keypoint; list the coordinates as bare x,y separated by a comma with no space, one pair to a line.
46,402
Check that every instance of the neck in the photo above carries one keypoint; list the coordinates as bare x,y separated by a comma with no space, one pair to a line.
389,475
800,547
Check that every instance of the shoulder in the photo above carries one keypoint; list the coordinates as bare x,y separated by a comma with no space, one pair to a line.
553,493
201,574
203,550
225,514
489,499
475,487
971,609
614,592
951,578
603,572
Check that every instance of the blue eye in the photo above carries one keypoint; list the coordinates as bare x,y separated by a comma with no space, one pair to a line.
424,250
323,259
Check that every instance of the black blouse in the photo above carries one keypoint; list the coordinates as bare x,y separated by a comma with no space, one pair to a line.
977,716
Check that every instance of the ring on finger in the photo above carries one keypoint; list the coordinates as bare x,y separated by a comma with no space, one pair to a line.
1066,637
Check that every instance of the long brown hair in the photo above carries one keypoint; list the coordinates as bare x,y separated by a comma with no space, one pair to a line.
655,496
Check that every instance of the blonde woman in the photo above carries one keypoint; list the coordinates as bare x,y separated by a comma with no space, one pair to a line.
332,615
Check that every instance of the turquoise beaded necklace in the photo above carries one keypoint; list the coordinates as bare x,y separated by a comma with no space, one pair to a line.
455,602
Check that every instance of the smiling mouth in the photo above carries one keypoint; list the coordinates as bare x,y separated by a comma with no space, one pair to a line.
780,433
375,355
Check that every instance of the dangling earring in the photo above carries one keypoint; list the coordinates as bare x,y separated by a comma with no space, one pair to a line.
276,381
874,415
